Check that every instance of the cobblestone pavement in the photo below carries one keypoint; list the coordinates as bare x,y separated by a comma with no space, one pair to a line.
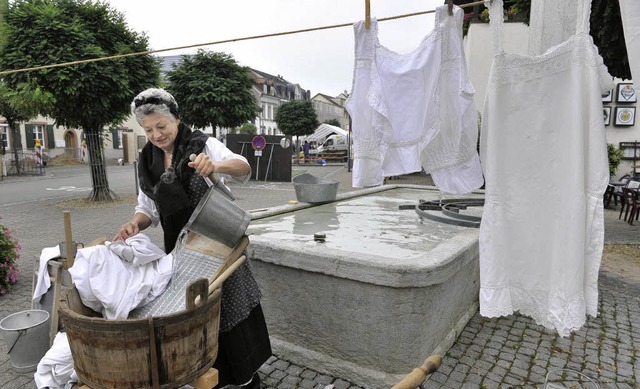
507,352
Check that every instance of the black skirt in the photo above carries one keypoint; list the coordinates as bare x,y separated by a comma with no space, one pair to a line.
242,350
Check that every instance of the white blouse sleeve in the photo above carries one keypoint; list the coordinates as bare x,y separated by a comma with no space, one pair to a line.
148,207
217,151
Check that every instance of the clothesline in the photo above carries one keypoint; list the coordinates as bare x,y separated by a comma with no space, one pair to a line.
221,42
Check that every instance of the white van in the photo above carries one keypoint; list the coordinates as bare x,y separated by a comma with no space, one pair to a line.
334,143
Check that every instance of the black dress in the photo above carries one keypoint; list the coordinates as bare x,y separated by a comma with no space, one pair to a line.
243,340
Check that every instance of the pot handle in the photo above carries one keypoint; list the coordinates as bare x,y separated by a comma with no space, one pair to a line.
216,182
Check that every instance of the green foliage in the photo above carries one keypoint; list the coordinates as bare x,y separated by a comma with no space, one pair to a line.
212,90
297,117
90,95
333,122
608,35
9,254
615,157
248,128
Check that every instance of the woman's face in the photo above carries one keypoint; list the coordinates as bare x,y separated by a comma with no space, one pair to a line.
161,130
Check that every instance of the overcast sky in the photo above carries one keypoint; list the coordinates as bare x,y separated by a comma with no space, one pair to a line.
321,61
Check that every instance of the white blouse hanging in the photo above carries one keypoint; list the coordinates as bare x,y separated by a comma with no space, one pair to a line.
402,102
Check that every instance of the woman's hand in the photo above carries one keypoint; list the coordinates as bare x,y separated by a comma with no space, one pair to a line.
203,165
127,231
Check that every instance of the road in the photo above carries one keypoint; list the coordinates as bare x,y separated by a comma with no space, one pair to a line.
62,183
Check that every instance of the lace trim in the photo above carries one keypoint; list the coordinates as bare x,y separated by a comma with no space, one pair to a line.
578,51
551,23
447,154
504,301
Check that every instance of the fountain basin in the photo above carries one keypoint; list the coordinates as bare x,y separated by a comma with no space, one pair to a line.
383,291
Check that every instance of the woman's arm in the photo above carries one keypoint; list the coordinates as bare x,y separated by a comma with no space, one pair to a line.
144,216
139,222
217,158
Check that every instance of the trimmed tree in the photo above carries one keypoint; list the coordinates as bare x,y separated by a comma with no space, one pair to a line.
212,90
297,118
19,106
91,96
333,122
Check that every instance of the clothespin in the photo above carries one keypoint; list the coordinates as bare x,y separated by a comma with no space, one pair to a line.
367,14
450,4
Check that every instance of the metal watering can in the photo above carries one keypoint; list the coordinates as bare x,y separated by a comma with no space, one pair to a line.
217,217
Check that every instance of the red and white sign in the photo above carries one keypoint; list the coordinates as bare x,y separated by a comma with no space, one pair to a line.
258,142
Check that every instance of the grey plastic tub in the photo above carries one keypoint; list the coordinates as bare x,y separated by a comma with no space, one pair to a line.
311,189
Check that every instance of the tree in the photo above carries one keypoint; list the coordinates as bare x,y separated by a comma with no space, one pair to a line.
248,128
93,95
212,90
297,117
333,122
21,105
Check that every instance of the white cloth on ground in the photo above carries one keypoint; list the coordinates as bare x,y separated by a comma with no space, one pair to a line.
55,369
113,286
544,154
630,12
42,280
398,103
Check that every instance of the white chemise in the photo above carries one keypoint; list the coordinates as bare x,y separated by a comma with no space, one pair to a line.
544,155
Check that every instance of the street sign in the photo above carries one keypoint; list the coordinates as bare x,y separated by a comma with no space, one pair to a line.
258,142
258,153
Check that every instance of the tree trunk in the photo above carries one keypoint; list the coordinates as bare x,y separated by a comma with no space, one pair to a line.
101,190
15,133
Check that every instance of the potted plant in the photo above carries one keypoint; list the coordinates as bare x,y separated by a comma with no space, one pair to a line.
9,254
615,157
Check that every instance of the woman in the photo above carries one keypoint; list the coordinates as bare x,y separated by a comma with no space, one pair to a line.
171,187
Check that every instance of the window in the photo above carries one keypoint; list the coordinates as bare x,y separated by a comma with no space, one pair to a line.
631,150
120,132
265,89
4,137
38,133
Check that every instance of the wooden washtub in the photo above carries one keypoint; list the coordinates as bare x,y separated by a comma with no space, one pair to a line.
158,352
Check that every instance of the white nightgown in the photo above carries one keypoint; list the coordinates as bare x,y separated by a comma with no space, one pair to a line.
544,155
413,111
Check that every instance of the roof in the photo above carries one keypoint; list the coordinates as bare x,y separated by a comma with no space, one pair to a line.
328,99
323,131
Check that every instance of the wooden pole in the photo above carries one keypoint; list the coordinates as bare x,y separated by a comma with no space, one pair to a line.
68,241
367,14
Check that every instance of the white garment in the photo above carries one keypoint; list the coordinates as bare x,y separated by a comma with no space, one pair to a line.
138,250
400,102
55,370
113,285
215,150
43,282
551,23
544,155
630,11
451,156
